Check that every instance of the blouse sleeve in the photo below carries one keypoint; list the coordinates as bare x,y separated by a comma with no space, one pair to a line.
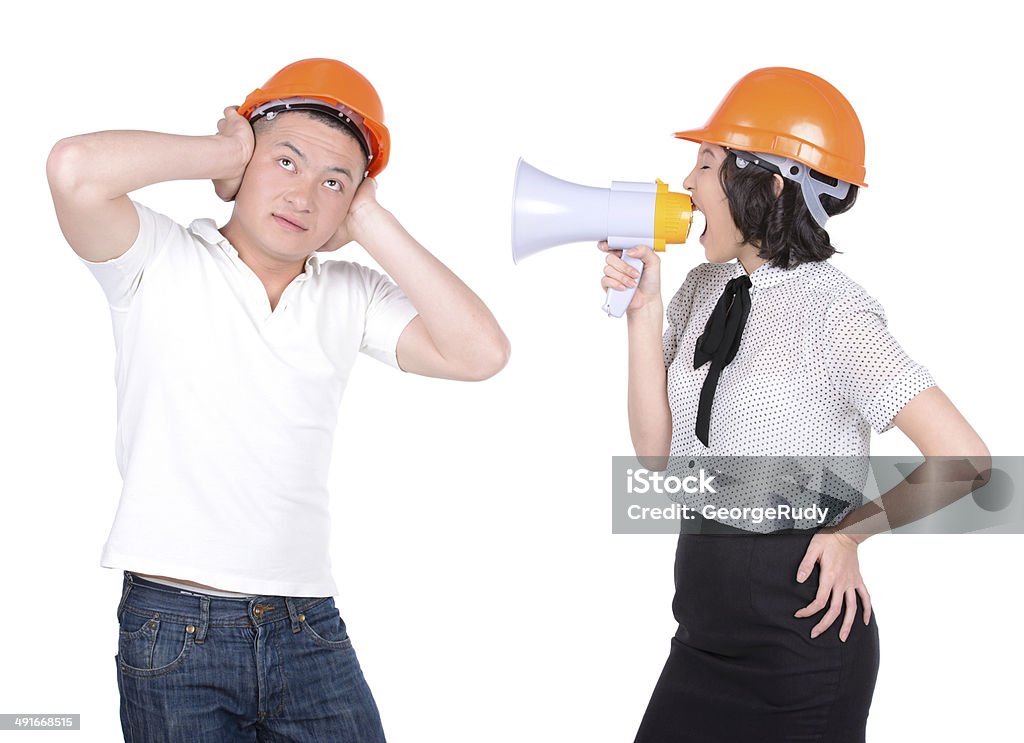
678,314
866,364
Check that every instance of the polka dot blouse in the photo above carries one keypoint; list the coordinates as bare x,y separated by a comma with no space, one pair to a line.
815,371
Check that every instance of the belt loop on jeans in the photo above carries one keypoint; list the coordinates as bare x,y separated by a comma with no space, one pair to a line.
124,594
293,613
204,619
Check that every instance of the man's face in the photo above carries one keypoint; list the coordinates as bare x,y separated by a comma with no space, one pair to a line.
298,186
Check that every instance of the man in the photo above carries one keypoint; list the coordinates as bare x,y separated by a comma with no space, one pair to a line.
233,348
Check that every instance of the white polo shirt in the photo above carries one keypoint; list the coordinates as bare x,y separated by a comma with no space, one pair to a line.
226,411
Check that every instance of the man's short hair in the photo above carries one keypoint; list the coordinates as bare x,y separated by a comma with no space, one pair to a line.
323,117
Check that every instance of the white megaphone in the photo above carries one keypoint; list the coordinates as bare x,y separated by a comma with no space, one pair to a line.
547,211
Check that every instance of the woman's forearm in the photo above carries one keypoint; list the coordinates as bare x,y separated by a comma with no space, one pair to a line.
957,462
650,418
933,485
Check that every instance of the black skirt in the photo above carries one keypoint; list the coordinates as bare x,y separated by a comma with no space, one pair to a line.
742,668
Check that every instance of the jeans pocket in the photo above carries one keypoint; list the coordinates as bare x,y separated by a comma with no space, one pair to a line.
324,626
150,645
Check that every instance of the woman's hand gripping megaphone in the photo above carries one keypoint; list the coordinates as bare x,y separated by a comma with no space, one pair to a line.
625,272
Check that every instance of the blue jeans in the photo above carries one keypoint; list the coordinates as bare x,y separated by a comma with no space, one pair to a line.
195,668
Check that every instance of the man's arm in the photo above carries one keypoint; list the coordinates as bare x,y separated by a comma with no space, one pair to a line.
454,335
90,176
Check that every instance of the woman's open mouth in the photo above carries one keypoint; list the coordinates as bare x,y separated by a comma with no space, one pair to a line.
700,220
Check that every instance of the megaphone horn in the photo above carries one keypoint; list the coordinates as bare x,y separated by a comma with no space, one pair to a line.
547,211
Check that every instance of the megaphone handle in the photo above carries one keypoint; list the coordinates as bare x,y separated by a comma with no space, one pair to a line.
618,299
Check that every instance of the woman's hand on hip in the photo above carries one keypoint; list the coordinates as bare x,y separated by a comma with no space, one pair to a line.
839,577
620,275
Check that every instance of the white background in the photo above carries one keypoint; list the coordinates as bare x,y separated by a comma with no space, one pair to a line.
486,596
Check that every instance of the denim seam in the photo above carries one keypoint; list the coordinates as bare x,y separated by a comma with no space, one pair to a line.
128,707
194,619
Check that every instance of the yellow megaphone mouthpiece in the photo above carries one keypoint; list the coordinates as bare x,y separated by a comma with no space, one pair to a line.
673,217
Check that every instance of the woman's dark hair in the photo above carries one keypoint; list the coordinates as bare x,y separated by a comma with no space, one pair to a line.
780,227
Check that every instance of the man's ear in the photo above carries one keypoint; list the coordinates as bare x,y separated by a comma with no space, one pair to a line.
777,184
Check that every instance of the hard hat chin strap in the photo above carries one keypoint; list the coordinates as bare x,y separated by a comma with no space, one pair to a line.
810,186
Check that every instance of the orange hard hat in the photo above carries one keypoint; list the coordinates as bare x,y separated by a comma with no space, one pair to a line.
327,83
792,114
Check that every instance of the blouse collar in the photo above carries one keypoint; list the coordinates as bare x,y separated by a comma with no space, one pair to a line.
767,274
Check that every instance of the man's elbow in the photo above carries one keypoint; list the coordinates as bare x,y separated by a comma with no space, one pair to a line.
491,358
65,166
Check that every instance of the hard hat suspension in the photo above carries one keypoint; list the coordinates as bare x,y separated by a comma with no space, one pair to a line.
812,188
352,121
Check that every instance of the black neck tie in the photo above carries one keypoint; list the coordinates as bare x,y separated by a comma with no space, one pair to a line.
719,343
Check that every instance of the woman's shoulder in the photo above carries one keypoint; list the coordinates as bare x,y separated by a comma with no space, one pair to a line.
831,285
838,303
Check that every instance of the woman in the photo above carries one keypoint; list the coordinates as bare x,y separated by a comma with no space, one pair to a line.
777,353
